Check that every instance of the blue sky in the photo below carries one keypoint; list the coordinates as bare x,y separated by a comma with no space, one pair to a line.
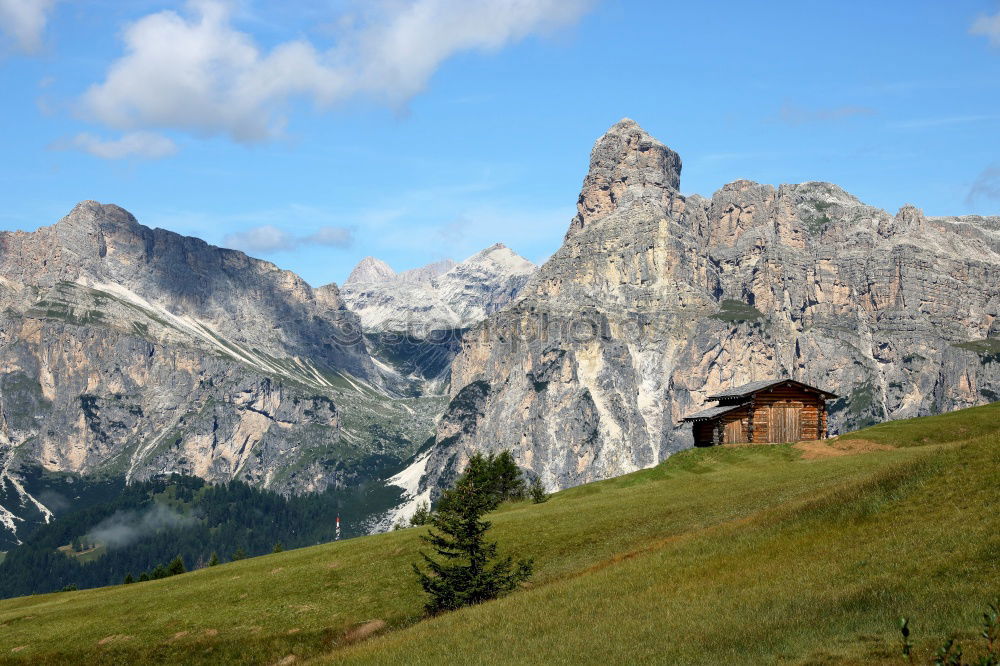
315,133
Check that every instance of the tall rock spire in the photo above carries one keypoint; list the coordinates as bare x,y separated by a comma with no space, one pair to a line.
626,165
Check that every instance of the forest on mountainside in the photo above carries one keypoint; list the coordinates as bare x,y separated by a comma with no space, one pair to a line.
150,523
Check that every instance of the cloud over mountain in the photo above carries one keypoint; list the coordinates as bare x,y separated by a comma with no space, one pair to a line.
268,238
196,72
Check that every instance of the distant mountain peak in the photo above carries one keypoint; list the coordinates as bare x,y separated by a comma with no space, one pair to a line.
442,294
370,269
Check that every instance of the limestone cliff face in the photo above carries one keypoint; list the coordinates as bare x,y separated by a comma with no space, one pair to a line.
656,300
133,351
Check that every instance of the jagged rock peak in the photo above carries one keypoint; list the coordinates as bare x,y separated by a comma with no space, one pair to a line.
425,274
370,269
502,258
627,165
91,213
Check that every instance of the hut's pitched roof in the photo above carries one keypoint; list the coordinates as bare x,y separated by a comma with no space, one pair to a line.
712,412
753,387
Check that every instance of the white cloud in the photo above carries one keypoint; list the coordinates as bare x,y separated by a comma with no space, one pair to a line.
23,21
147,145
198,73
989,26
265,238
331,236
268,238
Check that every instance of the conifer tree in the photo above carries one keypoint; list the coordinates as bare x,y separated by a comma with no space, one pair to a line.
537,492
214,560
240,554
278,548
422,515
143,577
128,579
176,566
508,480
495,476
159,572
469,571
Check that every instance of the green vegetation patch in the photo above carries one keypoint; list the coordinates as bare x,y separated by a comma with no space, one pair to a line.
988,349
817,223
737,311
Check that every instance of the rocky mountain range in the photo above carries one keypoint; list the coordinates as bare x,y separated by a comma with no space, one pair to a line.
656,300
136,352
440,296
133,352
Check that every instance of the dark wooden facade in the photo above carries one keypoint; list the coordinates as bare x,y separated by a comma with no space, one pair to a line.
782,410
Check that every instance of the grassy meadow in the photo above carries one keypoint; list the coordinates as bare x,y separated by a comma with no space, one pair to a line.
749,554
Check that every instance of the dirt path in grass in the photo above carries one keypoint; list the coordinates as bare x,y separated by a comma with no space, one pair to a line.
832,448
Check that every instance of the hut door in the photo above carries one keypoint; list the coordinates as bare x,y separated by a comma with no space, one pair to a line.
786,423
734,432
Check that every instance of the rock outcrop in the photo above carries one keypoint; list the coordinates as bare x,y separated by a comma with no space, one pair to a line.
656,300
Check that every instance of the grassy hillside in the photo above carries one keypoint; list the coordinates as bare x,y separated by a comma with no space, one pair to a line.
725,555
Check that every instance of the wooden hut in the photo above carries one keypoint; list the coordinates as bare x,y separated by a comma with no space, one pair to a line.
769,411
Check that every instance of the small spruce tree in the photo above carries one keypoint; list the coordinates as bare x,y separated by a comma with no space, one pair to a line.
422,515
159,572
277,548
144,576
495,476
507,478
176,566
240,554
470,570
537,492
128,579
214,560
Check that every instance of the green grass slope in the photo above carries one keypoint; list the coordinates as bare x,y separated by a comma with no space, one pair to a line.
725,555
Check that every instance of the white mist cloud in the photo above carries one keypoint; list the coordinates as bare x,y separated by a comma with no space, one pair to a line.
265,238
127,527
148,145
988,26
331,237
23,22
194,71
268,238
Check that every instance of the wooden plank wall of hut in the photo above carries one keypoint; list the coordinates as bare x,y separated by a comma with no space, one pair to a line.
736,426
811,417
